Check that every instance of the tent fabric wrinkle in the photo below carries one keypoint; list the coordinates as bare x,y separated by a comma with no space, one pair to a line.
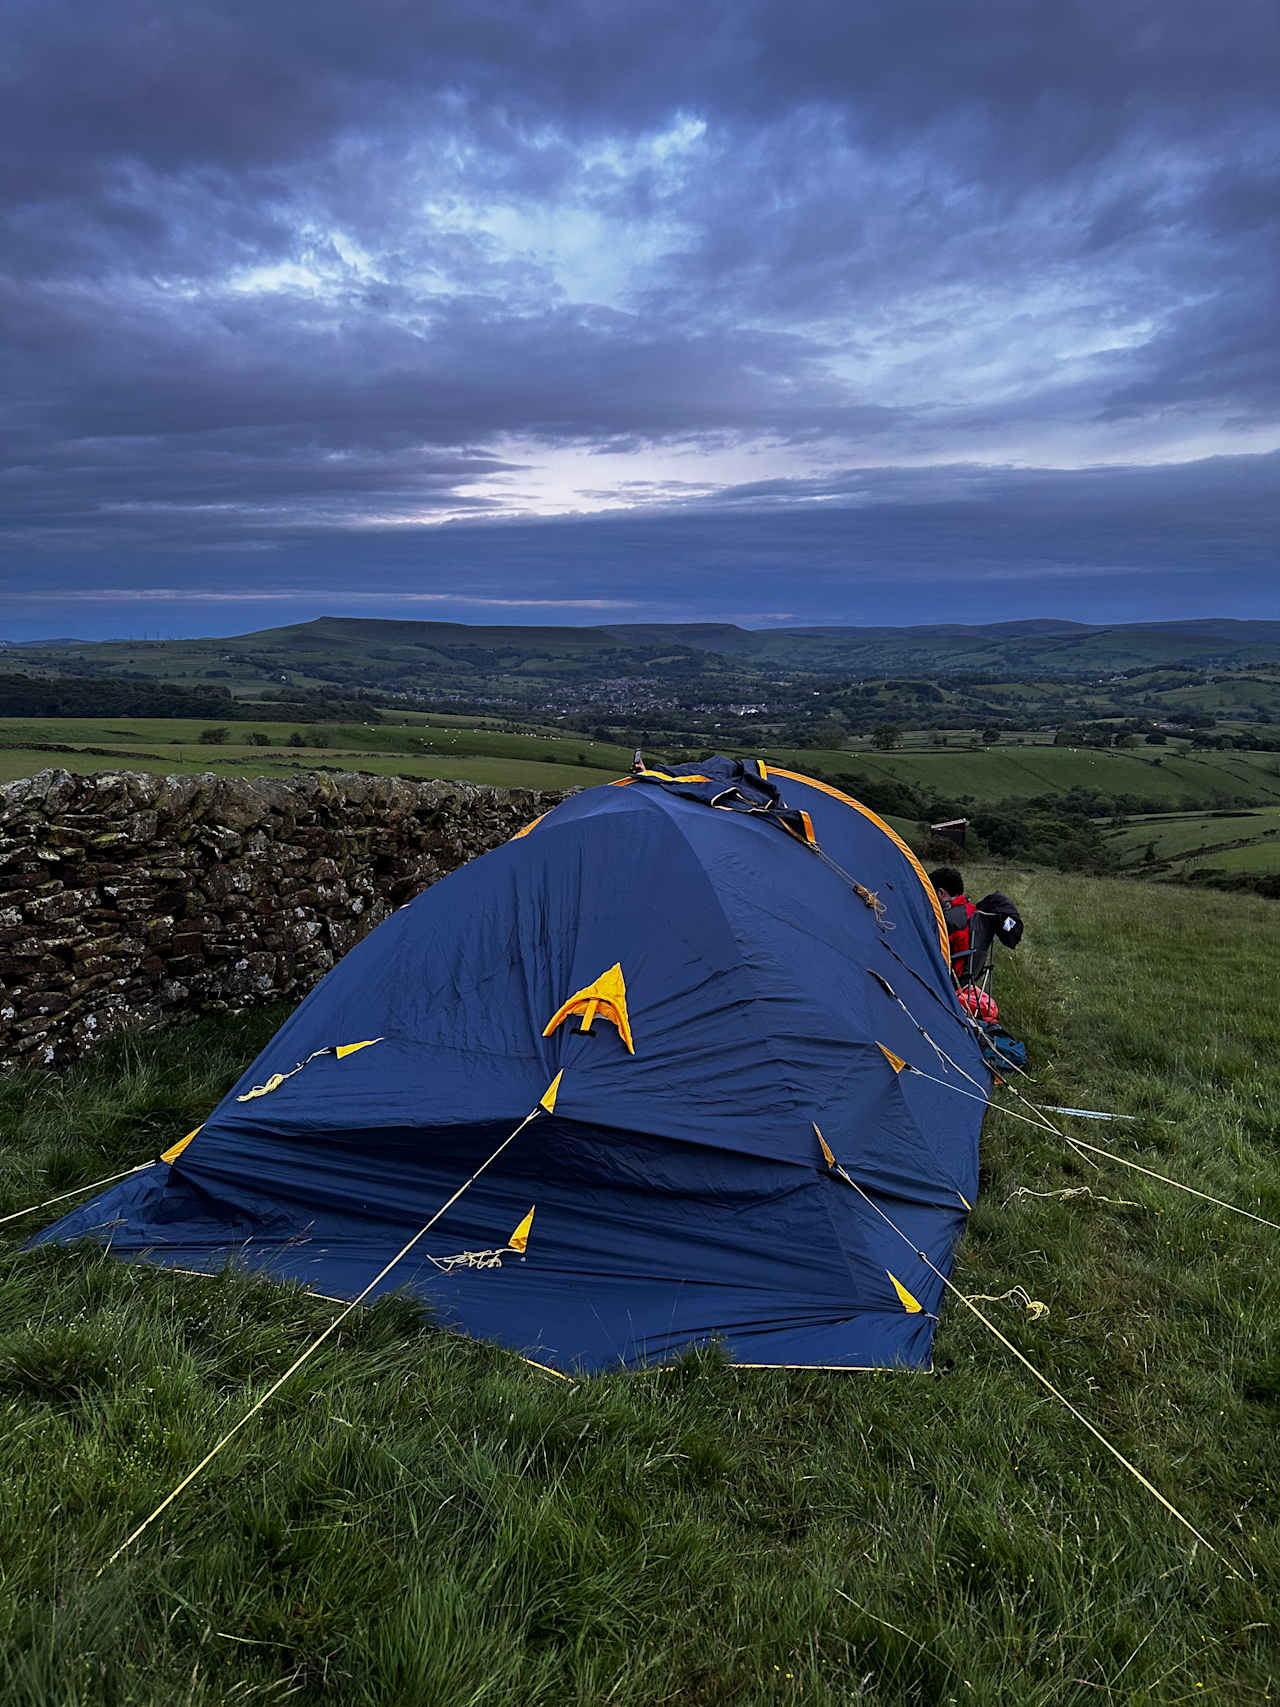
676,983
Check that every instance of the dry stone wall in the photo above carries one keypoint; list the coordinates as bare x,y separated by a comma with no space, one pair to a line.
128,899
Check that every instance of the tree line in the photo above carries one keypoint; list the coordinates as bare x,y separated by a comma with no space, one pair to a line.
107,696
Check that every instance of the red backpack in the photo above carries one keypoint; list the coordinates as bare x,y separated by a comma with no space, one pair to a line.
958,912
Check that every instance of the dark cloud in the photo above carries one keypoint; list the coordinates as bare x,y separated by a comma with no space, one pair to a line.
277,274
243,84
866,544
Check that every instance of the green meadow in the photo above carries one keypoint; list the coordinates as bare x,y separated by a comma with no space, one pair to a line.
1243,840
420,1521
470,750
456,750
1003,771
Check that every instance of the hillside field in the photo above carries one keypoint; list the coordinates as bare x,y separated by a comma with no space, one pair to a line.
1178,844
454,749
420,1521
476,750
1002,771
422,652
416,745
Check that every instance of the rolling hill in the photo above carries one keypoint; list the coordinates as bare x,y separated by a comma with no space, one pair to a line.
348,650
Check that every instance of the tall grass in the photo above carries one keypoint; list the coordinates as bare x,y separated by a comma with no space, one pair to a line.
423,1520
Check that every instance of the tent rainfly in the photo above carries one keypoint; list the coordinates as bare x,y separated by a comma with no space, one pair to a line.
704,966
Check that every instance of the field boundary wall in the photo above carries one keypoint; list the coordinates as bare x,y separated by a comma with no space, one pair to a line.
130,900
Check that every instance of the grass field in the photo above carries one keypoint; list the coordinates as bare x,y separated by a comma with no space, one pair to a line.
1259,856
1242,841
465,750
423,1522
1256,691
455,750
500,773
1001,772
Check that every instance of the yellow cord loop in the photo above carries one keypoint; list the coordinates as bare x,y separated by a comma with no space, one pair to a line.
1070,1192
518,1242
1019,1294
339,1050
468,1259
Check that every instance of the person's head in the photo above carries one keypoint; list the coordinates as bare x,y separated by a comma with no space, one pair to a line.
947,881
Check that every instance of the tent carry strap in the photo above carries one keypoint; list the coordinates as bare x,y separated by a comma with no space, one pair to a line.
545,1102
1042,1379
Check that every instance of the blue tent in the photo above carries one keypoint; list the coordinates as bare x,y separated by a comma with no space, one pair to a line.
706,986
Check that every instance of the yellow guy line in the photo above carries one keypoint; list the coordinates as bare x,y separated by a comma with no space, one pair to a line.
1151,1174
1044,1380
1045,1124
1079,1144
78,1192
316,1343
1048,1125
1083,1144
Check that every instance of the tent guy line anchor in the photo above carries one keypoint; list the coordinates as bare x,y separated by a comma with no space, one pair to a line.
1084,1113
547,1102
1079,1145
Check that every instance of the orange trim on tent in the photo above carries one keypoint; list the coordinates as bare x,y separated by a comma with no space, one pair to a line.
894,837
529,827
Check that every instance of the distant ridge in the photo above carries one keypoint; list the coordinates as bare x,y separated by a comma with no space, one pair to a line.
359,650
1038,644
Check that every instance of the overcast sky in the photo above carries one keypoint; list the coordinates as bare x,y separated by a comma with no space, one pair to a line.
577,311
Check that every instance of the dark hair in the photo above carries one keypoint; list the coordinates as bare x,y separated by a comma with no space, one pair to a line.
948,878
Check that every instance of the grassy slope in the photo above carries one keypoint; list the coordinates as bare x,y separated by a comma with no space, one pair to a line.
1245,841
448,750
1260,856
421,1520
500,773
1185,834
548,760
1002,772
